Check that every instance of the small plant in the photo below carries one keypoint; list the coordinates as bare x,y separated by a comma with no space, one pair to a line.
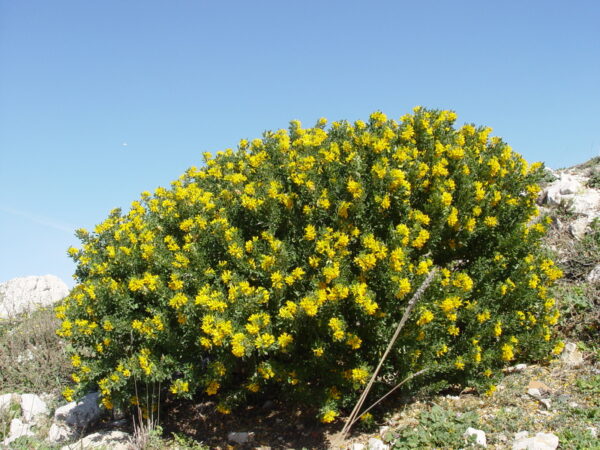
437,428
284,265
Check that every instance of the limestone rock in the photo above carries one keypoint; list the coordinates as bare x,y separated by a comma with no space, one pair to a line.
113,439
377,444
579,227
80,414
32,406
60,433
6,400
594,275
20,295
541,441
480,437
564,187
571,356
17,429
570,189
358,446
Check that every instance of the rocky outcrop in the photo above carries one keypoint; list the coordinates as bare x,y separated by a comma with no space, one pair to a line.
573,191
24,294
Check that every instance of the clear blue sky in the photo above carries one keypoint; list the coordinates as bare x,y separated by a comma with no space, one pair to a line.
172,79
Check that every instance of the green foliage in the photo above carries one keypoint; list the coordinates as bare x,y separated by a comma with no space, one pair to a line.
437,428
286,264
584,254
590,386
32,357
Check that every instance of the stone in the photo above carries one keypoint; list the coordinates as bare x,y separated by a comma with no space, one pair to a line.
113,439
6,400
82,413
21,295
586,203
240,437
60,433
480,437
566,185
32,406
17,429
383,429
570,189
579,227
377,444
594,275
517,368
541,387
358,446
535,393
541,441
571,356
521,435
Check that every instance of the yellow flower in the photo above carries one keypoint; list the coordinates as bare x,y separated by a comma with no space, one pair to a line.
490,221
284,340
354,188
329,416
498,329
359,375
425,318
453,330
310,233
558,348
507,352
212,388
421,239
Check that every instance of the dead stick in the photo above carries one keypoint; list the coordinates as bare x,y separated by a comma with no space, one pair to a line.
409,308
410,377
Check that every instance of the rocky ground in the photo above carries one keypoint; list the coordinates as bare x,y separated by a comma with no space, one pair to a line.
535,406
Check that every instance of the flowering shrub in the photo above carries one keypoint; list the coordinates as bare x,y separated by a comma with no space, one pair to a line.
287,263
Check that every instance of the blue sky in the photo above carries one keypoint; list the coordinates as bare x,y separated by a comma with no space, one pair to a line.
101,100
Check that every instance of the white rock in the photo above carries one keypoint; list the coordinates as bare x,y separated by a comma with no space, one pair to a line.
377,444
17,429
593,431
60,433
541,441
112,439
32,406
594,275
480,437
240,437
586,203
535,393
566,185
383,429
570,189
82,413
5,402
571,356
579,227
358,446
24,294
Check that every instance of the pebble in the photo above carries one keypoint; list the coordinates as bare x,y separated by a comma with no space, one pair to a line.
541,441
240,437
480,437
377,444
